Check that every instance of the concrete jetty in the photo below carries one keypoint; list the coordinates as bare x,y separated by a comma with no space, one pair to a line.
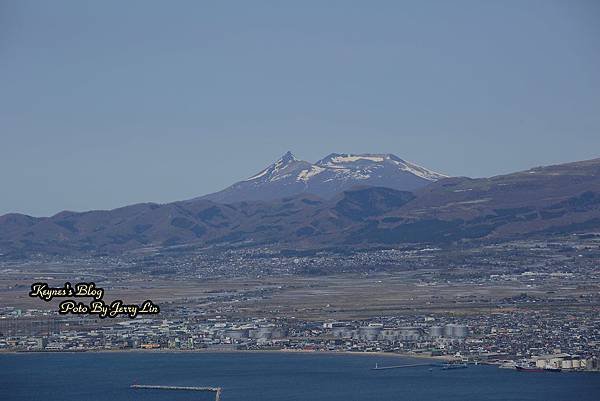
216,390
412,365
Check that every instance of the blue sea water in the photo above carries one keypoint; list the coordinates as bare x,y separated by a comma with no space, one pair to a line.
272,377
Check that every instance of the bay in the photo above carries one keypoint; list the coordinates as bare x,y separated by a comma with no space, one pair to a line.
272,377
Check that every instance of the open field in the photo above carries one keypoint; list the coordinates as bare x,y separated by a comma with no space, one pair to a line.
339,296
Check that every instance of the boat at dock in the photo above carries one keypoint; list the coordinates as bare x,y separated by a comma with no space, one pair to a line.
527,368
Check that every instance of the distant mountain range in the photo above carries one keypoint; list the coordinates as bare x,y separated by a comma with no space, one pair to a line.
540,202
329,176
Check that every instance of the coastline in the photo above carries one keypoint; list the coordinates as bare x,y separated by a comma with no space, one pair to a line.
441,358
234,351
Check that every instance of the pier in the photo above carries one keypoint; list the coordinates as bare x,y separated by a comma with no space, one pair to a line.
216,390
412,365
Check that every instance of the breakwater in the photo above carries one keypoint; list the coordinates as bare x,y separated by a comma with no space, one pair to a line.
216,390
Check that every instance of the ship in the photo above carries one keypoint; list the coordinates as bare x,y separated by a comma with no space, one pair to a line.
508,365
527,368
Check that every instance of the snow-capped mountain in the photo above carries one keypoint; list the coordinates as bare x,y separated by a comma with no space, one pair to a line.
327,177
544,202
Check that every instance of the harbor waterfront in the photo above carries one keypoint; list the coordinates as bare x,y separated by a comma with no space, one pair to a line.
273,376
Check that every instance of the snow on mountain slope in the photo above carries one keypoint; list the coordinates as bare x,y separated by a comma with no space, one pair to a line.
368,164
327,177
286,166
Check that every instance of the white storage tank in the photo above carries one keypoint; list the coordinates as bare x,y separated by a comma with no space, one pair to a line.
436,331
460,331
340,331
370,332
410,334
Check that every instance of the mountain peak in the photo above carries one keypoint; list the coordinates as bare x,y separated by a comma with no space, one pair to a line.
329,176
283,164
288,157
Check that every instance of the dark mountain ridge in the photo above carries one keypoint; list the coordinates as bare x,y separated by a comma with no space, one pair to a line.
544,201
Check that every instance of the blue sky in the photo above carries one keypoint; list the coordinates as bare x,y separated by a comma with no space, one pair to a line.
104,104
